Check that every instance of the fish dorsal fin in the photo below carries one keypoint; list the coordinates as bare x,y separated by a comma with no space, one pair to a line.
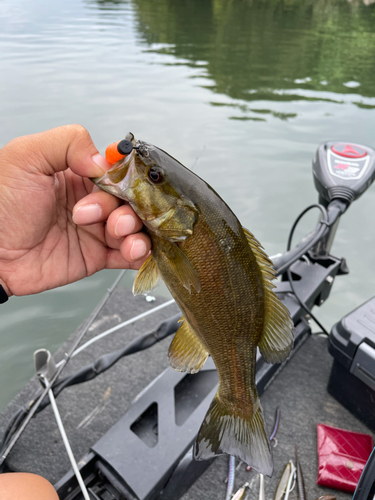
277,339
264,262
182,268
147,277
186,353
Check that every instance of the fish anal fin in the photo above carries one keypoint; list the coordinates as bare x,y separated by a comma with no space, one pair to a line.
186,353
244,438
278,338
147,277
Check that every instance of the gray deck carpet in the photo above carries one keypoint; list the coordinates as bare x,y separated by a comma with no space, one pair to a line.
299,390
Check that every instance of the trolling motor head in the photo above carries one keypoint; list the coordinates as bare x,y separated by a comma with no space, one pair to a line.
343,170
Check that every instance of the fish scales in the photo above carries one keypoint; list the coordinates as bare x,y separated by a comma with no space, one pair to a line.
228,305
225,304
220,277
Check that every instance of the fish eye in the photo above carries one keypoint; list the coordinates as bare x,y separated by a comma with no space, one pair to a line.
155,175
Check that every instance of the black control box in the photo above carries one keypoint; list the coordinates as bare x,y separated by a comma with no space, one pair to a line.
352,379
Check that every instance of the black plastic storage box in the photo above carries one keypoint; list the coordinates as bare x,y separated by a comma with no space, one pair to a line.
352,379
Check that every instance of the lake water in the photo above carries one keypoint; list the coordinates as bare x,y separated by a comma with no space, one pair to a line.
242,91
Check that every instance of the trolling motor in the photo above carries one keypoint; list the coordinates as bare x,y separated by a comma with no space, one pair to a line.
342,172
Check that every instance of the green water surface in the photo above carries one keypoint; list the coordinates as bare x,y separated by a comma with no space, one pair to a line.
243,91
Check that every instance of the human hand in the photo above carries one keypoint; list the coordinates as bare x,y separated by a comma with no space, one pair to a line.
56,226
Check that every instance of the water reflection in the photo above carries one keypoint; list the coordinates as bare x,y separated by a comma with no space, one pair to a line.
274,50
269,44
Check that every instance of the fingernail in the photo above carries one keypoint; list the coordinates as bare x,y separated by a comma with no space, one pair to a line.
87,214
125,225
138,249
101,162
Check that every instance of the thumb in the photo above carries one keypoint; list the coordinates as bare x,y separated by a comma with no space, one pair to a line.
69,146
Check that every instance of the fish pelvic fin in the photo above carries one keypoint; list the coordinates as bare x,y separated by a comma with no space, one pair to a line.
186,353
147,277
242,437
278,338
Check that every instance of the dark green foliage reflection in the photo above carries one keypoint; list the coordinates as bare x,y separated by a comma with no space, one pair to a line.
266,49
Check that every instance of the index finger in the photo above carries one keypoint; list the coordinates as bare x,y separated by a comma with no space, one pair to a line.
57,149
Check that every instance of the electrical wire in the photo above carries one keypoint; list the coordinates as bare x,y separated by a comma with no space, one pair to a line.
323,223
287,259
303,305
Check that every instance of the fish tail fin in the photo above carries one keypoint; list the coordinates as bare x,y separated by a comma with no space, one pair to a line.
244,437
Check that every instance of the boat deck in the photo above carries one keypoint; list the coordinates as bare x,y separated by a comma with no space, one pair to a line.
88,410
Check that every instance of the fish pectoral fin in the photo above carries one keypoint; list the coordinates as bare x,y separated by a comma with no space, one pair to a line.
186,353
182,268
242,436
177,224
147,277
278,338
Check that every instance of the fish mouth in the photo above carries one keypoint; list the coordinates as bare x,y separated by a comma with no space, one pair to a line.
116,180
105,184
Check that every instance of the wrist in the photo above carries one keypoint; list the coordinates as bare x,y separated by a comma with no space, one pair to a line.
5,293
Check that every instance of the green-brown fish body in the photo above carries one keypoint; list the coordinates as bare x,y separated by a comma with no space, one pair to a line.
220,278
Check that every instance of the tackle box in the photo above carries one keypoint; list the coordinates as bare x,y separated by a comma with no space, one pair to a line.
352,378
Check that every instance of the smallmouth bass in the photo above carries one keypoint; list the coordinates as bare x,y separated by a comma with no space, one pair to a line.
220,277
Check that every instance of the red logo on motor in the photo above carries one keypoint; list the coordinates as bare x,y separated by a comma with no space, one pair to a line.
348,150
341,166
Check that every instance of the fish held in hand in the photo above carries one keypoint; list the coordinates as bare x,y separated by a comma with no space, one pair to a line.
221,278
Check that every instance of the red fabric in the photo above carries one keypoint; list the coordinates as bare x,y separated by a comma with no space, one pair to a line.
342,456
